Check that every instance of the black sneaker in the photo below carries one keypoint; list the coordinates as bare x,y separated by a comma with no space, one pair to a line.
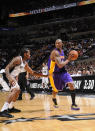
75,107
32,97
14,110
55,102
6,114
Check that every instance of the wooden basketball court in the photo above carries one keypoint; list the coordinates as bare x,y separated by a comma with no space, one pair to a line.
40,115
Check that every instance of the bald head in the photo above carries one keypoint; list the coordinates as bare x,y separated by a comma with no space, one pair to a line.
58,44
58,40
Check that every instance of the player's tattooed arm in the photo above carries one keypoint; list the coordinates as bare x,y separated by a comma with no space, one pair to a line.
56,57
15,61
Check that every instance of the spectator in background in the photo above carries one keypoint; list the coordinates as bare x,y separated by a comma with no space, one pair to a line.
45,72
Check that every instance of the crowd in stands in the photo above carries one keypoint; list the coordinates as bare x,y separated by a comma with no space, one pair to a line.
81,68
73,29
41,53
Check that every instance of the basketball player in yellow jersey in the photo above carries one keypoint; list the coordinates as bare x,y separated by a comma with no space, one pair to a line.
20,65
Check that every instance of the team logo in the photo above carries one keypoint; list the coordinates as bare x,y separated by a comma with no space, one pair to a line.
75,117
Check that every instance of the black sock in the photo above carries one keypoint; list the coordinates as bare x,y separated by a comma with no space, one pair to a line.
20,95
54,101
73,97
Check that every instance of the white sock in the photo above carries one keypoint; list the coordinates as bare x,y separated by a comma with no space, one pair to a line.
11,105
5,106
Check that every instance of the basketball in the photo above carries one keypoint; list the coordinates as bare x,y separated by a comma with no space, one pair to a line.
74,53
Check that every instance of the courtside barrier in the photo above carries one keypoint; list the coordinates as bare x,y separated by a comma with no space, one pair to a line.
83,84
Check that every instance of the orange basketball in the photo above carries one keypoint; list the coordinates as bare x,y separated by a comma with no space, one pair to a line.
74,53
